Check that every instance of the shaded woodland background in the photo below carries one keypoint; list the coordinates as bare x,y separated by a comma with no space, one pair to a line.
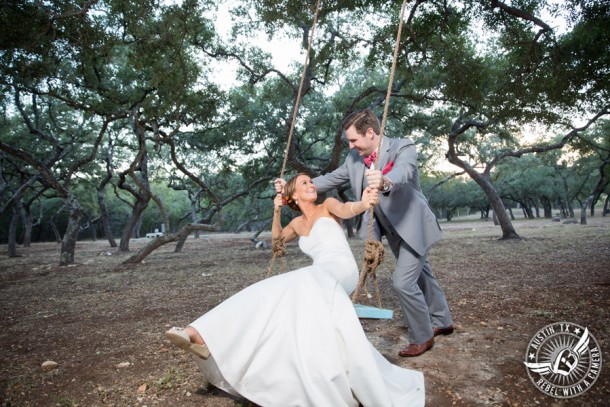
118,119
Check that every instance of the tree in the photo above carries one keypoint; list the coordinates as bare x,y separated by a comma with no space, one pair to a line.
100,192
528,182
594,151
120,61
52,126
17,193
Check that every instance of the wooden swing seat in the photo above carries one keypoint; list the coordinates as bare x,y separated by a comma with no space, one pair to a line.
370,312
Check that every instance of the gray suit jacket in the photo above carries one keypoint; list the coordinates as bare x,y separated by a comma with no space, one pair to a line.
404,205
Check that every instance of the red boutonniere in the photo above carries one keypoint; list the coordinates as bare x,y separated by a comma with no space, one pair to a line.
387,168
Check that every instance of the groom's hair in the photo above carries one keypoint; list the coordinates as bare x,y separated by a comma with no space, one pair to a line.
362,120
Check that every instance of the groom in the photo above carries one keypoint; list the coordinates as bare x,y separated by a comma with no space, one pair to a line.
403,217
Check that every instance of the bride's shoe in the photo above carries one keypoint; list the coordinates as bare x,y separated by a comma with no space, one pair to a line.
178,337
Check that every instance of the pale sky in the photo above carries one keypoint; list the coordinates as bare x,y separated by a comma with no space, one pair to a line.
284,51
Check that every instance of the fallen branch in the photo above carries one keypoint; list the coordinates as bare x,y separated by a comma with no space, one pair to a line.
169,238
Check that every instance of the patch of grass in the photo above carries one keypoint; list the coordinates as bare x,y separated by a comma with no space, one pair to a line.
166,381
169,380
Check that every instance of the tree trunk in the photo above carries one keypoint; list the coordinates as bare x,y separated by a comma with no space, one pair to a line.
485,213
449,214
91,225
194,206
54,225
536,207
142,191
12,231
602,183
101,200
163,240
547,208
137,230
583,210
527,211
569,206
181,241
28,223
104,218
508,231
68,244
262,226
525,208
606,204
130,227
562,209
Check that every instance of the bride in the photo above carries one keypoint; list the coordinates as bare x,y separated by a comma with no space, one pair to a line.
295,339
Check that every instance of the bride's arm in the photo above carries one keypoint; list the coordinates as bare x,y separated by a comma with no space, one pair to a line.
288,233
350,209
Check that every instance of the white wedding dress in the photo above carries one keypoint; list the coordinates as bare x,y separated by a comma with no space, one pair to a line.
295,339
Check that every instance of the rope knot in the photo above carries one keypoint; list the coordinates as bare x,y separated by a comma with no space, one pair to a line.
278,247
373,256
278,250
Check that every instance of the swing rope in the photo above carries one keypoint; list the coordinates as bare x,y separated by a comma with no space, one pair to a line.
373,249
278,247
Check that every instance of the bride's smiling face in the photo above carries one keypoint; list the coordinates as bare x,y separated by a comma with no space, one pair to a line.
304,189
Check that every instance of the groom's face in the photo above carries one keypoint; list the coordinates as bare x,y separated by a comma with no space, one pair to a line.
364,143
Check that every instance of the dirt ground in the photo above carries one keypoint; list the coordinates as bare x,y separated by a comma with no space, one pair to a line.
103,323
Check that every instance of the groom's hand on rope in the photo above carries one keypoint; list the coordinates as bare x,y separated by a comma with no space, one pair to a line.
374,178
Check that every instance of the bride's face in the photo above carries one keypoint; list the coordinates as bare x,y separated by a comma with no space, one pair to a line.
304,189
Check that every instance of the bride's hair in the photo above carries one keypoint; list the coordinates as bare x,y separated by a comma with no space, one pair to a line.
289,189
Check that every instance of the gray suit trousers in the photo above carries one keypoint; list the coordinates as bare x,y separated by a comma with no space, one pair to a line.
421,298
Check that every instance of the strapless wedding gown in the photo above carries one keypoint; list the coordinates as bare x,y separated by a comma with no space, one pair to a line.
295,339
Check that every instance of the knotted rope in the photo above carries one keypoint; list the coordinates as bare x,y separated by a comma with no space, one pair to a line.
278,246
373,249
373,257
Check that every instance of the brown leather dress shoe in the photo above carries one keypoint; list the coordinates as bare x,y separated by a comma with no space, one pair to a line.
443,331
414,349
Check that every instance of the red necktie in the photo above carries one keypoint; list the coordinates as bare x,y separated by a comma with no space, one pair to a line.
370,159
